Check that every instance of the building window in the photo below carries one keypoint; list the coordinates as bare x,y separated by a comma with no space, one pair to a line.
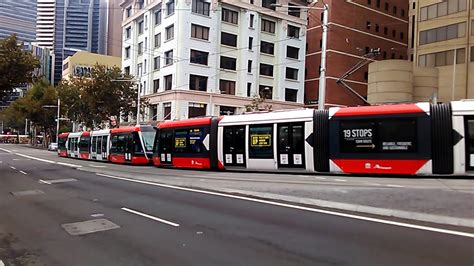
401,36
168,57
156,85
291,73
444,33
252,17
265,92
197,83
249,89
250,43
291,95
367,25
201,7
170,8
139,69
442,9
293,32
394,33
266,70
196,110
153,112
268,26
472,54
140,48
169,32
127,52
166,111
386,6
140,27
157,40
126,71
228,63
269,4
395,10
199,32
199,57
128,11
146,22
229,39
168,82
267,47
445,58
156,63
128,32
226,110
294,10
249,66
385,30
230,16
377,28
369,2
145,44
378,4
292,52
402,13
144,66
158,16
227,86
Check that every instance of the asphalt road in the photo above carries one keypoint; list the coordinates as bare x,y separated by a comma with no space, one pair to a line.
190,228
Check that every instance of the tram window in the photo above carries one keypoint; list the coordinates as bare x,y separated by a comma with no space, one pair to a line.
94,143
180,137
397,135
165,141
98,144
148,138
195,140
104,144
378,136
137,144
62,144
84,144
261,145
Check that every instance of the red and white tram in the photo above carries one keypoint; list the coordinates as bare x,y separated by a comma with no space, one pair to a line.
62,140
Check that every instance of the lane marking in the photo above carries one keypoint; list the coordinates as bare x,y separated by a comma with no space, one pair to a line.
95,215
150,217
54,181
23,172
340,180
320,177
44,182
16,159
5,150
49,161
373,184
12,167
286,205
390,185
97,166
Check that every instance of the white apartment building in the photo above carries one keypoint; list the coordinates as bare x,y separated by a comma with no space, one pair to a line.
200,57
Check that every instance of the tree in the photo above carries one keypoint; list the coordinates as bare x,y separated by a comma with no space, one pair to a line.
258,104
31,106
16,65
94,99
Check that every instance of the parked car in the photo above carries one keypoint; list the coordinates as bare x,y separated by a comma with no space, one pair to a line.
53,146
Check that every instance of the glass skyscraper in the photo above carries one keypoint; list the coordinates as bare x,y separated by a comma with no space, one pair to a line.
19,17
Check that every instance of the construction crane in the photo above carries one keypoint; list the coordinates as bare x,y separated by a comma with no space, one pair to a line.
366,59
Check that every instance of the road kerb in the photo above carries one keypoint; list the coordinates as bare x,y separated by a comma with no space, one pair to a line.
424,217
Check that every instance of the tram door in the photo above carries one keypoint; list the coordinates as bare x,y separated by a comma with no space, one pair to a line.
291,145
234,146
469,125
165,146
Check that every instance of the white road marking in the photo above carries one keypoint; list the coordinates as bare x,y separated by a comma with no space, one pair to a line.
44,182
1,263
390,185
5,150
340,180
320,177
23,172
352,216
16,159
97,166
150,217
12,167
49,161
54,181
97,215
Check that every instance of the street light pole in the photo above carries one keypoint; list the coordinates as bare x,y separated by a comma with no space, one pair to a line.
324,39
322,75
57,122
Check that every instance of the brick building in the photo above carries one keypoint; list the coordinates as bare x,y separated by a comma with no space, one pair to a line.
355,27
